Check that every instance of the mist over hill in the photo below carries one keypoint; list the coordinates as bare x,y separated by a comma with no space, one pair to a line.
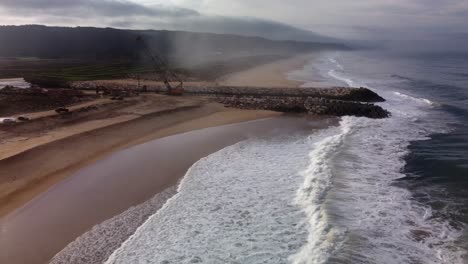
109,43
245,26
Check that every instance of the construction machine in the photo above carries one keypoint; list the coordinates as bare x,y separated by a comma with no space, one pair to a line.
162,67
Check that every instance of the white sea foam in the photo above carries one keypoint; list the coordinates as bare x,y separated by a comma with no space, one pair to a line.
328,198
382,219
383,223
235,206
424,100
324,239
334,61
336,72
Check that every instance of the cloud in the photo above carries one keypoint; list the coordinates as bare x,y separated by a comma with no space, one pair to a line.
92,8
226,25
145,15
396,14
340,18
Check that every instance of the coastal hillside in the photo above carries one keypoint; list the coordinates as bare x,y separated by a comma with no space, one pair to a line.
50,56
109,43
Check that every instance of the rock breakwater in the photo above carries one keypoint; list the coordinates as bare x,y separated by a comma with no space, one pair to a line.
318,106
339,93
336,101
336,93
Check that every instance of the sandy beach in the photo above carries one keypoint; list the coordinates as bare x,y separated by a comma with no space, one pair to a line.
268,75
25,174
35,168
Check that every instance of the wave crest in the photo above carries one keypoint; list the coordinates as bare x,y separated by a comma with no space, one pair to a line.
324,239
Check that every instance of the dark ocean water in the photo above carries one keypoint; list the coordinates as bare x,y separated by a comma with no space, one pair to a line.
435,170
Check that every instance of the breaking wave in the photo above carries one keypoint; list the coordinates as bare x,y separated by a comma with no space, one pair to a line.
235,206
330,197
424,100
324,239
379,217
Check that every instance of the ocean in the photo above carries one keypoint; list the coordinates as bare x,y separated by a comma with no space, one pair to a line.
364,191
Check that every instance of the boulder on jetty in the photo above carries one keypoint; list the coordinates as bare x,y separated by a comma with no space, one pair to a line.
338,93
336,101
319,106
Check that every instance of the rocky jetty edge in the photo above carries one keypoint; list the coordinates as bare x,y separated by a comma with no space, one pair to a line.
334,101
337,101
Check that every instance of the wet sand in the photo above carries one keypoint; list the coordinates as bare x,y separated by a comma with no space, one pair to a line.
45,225
99,191
69,148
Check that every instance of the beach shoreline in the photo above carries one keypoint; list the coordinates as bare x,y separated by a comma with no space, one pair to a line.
17,185
113,135
96,245
93,145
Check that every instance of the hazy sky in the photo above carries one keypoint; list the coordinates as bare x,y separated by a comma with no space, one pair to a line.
333,17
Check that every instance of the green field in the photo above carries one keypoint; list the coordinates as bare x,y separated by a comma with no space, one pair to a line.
59,72
96,71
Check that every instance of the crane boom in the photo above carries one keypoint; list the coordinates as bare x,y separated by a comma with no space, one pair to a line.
161,66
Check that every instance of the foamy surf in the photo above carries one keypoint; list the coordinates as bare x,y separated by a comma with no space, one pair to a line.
235,206
324,239
332,197
383,223
334,61
380,218
423,100
334,74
